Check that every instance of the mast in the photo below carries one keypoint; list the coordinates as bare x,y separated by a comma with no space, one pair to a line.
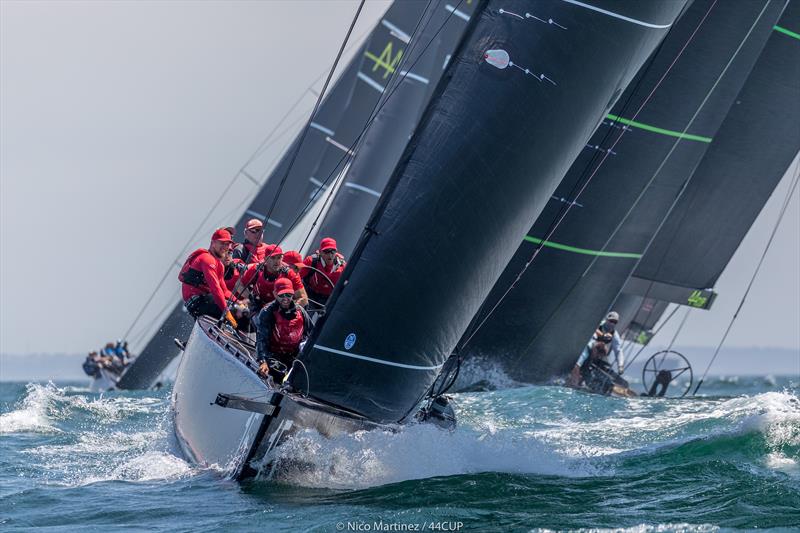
619,190
517,103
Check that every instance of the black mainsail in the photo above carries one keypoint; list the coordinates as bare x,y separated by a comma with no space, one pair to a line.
619,190
751,153
524,92
338,123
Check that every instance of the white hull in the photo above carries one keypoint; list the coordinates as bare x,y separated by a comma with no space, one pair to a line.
208,434
232,440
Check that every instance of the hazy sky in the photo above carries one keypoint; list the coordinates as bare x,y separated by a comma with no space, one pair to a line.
120,123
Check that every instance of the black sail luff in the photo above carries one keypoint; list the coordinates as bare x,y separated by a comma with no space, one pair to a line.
543,323
516,105
340,119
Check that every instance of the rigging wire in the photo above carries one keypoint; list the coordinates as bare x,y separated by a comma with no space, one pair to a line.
378,107
568,207
349,153
786,202
307,127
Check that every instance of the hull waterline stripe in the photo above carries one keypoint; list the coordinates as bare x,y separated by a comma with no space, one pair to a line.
322,128
785,31
374,360
367,190
372,83
662,131
618,16
261,216
585,251
456,12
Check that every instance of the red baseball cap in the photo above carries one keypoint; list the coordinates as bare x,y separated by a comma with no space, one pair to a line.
327,244
293,258
283,286
272,249
222,235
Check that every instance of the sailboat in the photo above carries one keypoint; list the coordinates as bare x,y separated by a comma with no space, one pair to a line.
601,220
489,151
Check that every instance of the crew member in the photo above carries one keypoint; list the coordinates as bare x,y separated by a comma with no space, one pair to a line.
272,269
202,276
606,335
322,270
281,327
253,249
293,260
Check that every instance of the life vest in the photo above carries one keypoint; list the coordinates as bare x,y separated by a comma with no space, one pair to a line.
319,286
192,276
287,332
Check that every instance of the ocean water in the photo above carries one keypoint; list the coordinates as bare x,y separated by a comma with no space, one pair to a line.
522,458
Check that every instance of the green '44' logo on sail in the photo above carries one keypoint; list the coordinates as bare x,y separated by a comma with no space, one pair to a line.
697,299
387,61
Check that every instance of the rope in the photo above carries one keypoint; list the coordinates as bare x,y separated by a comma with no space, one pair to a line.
563,215
787,200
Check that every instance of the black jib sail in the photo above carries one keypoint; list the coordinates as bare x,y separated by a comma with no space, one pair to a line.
619,190
391,130
519,100
749,156
337,124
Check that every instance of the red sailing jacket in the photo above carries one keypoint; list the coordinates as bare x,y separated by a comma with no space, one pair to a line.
315,281
281,332
266,281
202,273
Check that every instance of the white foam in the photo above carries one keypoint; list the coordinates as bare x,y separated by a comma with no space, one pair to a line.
34,411
419,451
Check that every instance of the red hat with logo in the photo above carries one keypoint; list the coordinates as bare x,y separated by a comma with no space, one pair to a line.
293,258
327,244
283,286
222,235
272,249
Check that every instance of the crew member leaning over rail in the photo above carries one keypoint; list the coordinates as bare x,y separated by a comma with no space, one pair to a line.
202,277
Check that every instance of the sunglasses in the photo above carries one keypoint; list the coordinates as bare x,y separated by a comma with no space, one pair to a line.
256,230
329,251
286,296
611,321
